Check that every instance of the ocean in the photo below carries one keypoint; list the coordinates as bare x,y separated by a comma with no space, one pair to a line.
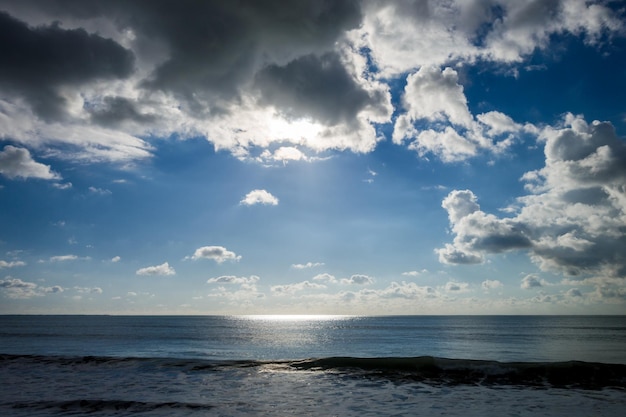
313,365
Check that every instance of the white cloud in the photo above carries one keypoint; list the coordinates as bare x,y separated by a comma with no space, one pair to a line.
17,163
437,119
163,269
11,264
403,36
325,277
217,253
231,279
532,281
116,259
63,258
18,289
289,289
307,265
358,279
89,290
259,197
490,284
414,273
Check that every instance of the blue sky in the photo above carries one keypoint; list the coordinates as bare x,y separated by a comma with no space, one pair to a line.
362,157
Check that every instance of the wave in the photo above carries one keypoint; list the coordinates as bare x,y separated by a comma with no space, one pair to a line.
428,369
425,369
93,406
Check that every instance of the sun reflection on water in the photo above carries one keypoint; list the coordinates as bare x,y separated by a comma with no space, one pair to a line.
296,317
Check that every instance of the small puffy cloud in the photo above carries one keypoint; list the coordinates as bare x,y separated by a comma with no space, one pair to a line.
163,269
11,264
490,284
293,288
259,197
456,286
62,186
217,253
307,265
357,279
54,289
325,277
116,259
532,281
18,163
231,279
414,273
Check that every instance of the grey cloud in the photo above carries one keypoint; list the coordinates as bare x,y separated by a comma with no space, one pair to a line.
531,281
217,46
18,163
38,61
317,86
115,110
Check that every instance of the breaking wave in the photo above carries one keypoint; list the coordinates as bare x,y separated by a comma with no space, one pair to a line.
425,369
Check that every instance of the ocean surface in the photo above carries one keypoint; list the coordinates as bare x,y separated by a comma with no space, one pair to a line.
313,366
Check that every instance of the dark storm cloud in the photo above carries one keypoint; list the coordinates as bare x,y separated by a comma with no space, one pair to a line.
212,48
313,86
217,46
37,61
115,110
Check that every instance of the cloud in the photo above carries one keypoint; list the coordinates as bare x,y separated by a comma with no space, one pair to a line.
116,259
289,289
99,191
163,269
414,273
63,258
17,163
315,86
532,281
572,219
403,36
18,289
358,279
305,77
231,279
307,265
437,120
490,284
456,286
89,290
40,62
259,197
11,264
217,253
325,277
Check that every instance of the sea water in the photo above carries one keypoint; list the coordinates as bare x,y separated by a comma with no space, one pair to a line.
313,365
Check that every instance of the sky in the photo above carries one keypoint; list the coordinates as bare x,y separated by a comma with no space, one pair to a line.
313,157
